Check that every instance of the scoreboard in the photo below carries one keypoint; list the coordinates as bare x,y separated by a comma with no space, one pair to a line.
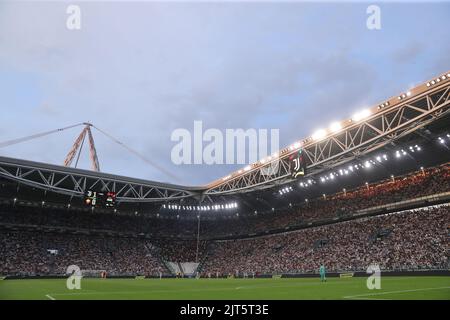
100,199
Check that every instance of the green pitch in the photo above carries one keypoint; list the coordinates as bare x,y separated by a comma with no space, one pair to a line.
334,288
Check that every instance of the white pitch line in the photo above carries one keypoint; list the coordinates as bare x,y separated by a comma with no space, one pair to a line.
170,291
366,296
360,296
83,292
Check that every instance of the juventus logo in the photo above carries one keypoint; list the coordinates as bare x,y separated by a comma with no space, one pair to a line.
298,168
296,164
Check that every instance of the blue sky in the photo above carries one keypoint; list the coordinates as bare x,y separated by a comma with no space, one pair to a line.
140,70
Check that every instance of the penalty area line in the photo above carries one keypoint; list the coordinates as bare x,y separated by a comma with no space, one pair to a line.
367,295
50,297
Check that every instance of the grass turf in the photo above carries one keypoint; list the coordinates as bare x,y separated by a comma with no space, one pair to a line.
426,287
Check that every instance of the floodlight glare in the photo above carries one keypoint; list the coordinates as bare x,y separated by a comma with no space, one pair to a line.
319,134
335,126
361,115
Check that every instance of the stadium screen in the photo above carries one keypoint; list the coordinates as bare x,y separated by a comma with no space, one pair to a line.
100,199
298,164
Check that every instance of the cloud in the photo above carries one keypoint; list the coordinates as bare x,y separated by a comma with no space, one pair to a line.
140,70
408,53
46,109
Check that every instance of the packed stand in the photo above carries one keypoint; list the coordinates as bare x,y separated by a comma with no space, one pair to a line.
408,240
32,253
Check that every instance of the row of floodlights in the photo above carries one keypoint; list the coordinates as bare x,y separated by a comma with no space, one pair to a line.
363,165
285,190
215,207
437,80
337,126
404,95
402,152
442,139
354,168
318,135
309,182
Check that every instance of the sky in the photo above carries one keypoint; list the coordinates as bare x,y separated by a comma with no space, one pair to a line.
139,70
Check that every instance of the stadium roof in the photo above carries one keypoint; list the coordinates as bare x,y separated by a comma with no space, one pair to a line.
432,152
67,180
415,117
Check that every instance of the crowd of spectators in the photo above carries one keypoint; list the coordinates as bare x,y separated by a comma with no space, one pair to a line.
181,251
411,239
37,253
421,183
416,239
408,240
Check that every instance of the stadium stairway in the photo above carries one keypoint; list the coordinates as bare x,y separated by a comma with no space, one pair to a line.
204,258
154,251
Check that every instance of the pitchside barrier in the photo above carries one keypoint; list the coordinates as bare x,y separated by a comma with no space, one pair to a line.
386,273
260,276
93,273
346,275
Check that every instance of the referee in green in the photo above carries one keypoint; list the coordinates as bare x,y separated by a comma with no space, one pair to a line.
322,273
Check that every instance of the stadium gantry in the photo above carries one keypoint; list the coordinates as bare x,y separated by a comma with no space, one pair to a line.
74,181
366,132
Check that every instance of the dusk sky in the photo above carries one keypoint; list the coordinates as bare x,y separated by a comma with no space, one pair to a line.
139,70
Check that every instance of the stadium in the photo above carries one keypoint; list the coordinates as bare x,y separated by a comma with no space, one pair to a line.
381,198
357,211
